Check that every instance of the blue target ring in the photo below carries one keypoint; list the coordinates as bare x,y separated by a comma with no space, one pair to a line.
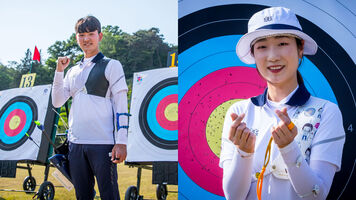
27,106
151,118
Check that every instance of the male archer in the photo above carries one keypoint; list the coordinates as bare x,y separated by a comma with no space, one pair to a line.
99,94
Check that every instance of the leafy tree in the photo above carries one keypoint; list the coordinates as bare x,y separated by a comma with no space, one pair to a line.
6,77
68,48
27,65
140,51
23,67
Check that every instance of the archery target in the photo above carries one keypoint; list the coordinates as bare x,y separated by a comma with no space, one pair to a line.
207,61
20,107
158,118
16,118
153,131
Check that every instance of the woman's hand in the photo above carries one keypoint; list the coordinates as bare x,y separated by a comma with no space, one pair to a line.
282,136
240,135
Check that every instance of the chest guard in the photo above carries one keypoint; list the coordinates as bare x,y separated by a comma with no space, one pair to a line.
307,120
97,84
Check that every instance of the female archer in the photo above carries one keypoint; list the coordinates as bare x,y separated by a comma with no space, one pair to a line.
272,164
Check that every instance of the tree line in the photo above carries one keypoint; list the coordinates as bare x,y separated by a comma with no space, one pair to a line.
142,50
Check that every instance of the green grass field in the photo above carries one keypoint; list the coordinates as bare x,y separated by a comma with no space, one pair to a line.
127,177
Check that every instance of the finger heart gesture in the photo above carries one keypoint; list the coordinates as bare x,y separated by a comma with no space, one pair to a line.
285,132
240,135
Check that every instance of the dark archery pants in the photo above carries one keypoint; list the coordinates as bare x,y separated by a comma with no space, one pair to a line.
87,161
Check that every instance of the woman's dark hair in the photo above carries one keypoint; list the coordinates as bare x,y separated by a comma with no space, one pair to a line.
300,47
87,24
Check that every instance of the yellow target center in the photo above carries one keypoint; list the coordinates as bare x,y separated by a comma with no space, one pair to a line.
14,122
171,112
215,124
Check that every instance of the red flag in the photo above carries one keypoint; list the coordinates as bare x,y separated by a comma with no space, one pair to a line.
36,55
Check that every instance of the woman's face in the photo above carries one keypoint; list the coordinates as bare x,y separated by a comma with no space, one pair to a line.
277,59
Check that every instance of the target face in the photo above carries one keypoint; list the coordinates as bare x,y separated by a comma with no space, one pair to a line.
153,130
159,114
16,119
211,78
19,108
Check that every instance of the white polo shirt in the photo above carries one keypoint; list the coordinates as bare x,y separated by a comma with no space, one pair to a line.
260,117
91,118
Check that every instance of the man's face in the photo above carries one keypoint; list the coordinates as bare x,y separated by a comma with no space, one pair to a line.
89,42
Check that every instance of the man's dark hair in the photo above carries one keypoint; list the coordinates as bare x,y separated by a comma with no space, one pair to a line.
87,24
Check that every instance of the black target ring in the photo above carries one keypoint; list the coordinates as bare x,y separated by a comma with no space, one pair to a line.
27,104
144,125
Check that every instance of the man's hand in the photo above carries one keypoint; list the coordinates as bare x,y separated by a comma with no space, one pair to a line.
118,153
62,63
282,136
240,135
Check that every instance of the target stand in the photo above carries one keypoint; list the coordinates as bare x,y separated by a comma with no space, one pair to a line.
21,141
153,129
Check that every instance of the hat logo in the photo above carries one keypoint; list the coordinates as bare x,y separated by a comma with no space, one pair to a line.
267,19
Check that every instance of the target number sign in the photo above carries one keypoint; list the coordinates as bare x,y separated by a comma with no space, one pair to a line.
27,80
172,60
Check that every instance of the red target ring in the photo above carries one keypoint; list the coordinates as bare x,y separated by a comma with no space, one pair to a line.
161,117
15,122
197,159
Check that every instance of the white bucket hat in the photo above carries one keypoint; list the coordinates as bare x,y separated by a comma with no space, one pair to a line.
270,22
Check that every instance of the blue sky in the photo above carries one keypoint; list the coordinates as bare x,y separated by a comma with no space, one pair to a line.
25,24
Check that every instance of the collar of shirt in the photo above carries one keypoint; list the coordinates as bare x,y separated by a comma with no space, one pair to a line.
86,62
282,102
299,98
98,57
